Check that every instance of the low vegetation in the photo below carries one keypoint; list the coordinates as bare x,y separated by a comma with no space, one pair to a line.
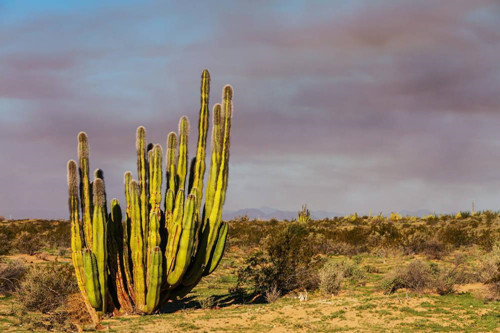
353,273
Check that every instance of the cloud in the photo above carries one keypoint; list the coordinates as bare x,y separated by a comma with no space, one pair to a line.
385,105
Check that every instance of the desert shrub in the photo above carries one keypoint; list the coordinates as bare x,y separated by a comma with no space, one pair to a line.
456,235
489,215
288,262
446,278
388,234
11,274
486,240
339,236
45,287
330,279
342,248
58,236
72,316
465,214
415,276
333,274
445,283
27,243
414,241
355,236
490,270
2,218
434,249
5,244
494,282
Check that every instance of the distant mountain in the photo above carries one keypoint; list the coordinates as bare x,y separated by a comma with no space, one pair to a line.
267,213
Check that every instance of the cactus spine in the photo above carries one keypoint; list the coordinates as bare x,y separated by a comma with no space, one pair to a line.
159,250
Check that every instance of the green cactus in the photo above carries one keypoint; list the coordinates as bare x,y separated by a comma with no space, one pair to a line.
160,250
304,215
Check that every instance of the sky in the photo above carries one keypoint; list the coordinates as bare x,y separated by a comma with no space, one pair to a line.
348,106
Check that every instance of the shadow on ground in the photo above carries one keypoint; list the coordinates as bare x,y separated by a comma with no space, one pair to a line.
219,301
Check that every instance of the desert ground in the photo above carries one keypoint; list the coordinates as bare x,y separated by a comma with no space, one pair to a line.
368,287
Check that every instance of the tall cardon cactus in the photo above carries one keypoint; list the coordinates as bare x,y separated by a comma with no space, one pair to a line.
161,247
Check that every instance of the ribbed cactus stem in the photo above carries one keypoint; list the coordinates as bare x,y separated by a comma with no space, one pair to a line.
182,159
220,193
155,166
199,168
215,188
137,246
126,227
169,209
85,194
99,244
175,232
155,274
186,242
142,172
219,248
92,279
215,159
76,228
115,257
171,159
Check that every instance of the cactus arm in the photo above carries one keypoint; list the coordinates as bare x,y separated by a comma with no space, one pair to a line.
126,224
85,194
155,181
192,165
186,241
218,249
220,194
175,232
76,229
169,209
171,159
99,248
199,168
182,158
136,247
204,249
142,172
92,279
154,280
115,262
215,160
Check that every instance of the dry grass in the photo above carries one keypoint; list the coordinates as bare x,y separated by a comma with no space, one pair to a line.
216,305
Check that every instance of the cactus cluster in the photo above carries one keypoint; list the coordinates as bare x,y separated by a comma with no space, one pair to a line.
304,215
160,248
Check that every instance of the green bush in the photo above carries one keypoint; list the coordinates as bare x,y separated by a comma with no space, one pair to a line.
288,262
